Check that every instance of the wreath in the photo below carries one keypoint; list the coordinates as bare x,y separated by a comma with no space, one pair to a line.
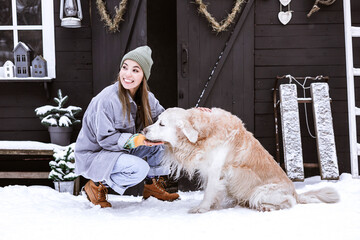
225,23
112,24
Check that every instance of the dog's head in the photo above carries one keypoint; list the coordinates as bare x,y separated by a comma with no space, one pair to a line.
173,124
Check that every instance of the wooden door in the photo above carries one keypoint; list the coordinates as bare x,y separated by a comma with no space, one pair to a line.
198,48
109,48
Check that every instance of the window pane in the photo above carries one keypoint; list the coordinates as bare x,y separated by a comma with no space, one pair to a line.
6,47
5,12
28,12
33,39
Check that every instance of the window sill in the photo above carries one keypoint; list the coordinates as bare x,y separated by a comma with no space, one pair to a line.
27,79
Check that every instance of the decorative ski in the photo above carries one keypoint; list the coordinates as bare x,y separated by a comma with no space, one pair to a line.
325,138
290,125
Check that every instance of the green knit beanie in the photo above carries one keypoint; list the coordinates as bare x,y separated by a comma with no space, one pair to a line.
141,55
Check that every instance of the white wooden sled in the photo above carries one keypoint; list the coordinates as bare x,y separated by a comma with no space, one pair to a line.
291,134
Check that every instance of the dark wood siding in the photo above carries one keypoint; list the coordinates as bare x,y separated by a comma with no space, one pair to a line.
109,48
231,85
18,100
305,47
73,75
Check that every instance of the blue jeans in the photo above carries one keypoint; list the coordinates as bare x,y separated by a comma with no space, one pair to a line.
131,168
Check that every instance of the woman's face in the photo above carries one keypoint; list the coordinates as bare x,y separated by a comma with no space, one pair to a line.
131,75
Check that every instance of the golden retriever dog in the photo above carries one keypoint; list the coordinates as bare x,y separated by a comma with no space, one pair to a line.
231,163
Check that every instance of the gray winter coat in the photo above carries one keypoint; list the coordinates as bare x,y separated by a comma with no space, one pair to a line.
104,132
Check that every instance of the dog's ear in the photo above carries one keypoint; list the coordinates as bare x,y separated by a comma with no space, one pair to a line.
188,130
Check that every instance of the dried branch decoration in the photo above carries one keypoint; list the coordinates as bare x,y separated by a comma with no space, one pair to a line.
112,24
316,8
224,24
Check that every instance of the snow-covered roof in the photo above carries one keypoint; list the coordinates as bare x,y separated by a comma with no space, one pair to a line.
39,58
23,45
8,63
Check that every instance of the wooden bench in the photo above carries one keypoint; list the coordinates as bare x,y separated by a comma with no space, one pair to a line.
32,151
42,151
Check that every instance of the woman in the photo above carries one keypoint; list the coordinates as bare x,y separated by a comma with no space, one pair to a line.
108,150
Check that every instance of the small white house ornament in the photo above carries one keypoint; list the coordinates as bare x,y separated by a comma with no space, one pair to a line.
285,17
22,60
8,69
38,67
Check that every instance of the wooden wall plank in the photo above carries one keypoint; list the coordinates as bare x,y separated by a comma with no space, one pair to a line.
26,152
24,175
300,57
270,72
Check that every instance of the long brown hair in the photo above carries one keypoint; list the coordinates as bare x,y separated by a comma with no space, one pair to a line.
142,100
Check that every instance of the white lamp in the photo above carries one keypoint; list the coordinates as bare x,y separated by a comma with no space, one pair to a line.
73,13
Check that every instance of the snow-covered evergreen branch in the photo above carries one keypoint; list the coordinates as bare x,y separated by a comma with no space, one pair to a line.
63,165
58,115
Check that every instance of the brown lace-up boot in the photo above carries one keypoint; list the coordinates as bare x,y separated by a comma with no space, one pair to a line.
170,185
97,194
157,190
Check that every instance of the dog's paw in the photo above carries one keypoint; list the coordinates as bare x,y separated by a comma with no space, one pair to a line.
266,208
199,209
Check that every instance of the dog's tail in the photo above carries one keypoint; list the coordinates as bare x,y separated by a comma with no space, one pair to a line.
323,195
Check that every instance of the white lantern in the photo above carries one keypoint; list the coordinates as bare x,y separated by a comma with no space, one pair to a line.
73,13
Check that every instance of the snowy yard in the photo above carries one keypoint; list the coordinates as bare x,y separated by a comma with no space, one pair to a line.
39,212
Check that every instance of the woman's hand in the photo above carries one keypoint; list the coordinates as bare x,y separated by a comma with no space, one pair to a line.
138,140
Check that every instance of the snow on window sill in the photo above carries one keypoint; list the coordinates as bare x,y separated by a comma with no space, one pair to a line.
27,79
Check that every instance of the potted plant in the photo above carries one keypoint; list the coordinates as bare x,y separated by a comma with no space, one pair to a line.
63,169
58,119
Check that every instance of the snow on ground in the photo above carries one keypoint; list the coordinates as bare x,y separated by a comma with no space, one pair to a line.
39,212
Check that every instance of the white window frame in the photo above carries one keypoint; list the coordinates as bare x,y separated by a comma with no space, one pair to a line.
48,32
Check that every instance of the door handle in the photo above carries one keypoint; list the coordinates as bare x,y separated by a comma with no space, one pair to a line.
184,60
181,94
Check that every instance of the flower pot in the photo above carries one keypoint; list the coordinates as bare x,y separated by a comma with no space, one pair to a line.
65,186
60,135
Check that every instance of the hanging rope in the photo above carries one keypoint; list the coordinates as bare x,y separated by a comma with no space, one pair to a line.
316,8
112,24
225,23
213,71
